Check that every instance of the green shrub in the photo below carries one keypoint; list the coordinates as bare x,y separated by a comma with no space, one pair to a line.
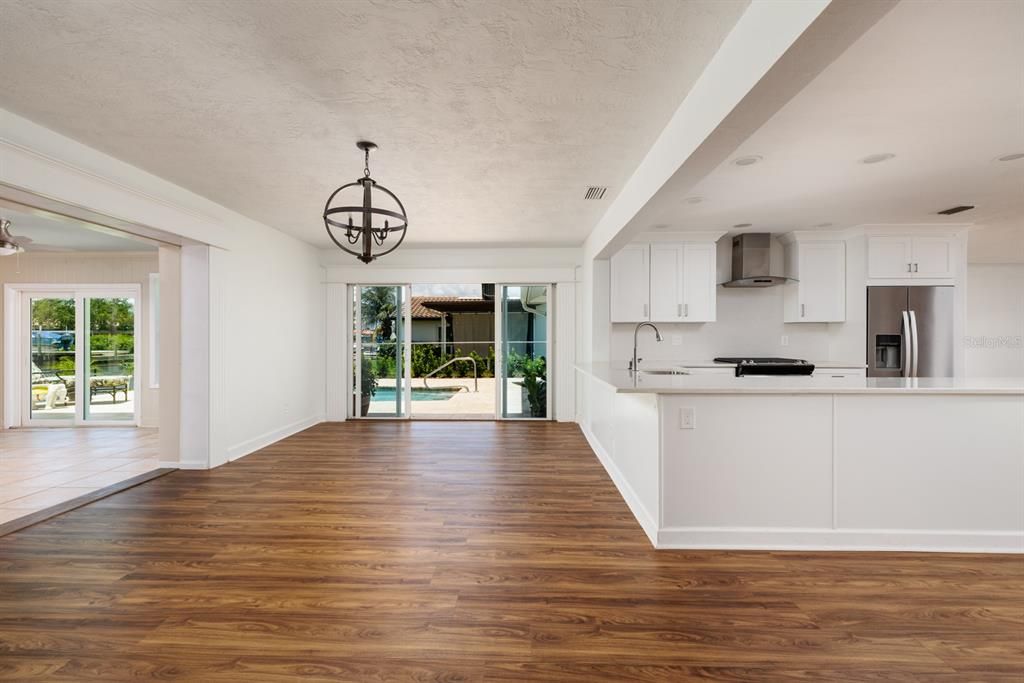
428,357
112,342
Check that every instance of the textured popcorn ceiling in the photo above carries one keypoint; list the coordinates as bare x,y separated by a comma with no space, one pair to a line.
492,116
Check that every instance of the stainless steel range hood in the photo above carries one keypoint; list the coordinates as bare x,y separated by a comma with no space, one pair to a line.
751,262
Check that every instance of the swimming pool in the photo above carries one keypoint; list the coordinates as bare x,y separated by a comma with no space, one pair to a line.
418,394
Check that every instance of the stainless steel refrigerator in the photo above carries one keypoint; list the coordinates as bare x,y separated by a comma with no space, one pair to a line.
910,331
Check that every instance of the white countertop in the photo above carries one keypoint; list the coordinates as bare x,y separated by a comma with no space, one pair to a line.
709,363
624,381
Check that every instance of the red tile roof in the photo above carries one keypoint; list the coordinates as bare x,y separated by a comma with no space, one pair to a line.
432,307
421,309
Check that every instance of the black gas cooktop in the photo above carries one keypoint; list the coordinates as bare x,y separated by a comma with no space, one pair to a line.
768,366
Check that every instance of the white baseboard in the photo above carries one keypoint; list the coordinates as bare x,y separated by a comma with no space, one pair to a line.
174,464
641,514
748,538
263,440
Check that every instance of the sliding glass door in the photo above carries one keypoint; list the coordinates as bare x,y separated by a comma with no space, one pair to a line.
381,359
51,360
109,359
524,333
79,353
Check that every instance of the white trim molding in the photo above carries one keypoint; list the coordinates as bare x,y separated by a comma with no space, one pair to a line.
913,540
636,506
245,448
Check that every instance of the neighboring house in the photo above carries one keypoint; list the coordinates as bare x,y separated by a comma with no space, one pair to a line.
463,323
467,323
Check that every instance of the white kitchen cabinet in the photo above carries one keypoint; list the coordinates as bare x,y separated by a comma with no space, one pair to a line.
933,257
631,284
683,282
890,257
911,256
699,271
665,282
819,293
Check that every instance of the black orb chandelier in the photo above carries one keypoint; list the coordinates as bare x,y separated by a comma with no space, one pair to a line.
365,223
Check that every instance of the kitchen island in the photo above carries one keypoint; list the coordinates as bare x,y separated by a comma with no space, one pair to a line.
818,462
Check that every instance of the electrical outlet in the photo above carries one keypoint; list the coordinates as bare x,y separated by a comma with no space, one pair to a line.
687,418
677,340
785,340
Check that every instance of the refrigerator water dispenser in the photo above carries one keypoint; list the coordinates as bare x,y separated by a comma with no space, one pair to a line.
888,351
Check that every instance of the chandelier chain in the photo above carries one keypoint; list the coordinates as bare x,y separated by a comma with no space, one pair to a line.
366,164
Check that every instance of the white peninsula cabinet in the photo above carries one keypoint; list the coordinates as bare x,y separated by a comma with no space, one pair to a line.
664,282
911,257
818,267
818,463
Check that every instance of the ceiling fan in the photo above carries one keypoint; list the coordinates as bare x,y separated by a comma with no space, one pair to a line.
9,244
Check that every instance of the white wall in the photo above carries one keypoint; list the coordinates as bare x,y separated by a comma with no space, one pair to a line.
265,333
994,340
269,294
94,268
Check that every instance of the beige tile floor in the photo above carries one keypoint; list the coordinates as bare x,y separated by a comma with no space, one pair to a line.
46,466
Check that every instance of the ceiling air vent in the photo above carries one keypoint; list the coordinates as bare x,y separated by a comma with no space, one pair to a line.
955,209
595,192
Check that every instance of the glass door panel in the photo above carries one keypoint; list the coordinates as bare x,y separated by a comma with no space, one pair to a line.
524,351
381,351
51,372
108,388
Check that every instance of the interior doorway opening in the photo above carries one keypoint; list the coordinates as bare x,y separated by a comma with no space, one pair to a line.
81,398
451,351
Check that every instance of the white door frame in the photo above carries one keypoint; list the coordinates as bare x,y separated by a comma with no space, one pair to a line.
499,350
356,346
17,358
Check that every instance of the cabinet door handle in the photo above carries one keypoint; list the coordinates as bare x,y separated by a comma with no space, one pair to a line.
915,267
910,267
645,310
679,309
686,310
803,308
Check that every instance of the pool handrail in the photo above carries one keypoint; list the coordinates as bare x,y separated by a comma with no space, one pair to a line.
476,386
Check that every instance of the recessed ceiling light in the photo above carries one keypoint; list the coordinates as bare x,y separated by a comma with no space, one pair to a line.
1012,157
742,225
747,160
877,158
694,200
822,225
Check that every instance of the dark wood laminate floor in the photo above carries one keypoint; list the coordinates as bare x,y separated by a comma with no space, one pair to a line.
466,552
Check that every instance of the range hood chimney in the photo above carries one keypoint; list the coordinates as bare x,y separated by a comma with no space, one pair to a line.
751,262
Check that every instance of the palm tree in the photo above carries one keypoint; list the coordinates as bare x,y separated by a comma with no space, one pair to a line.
380,308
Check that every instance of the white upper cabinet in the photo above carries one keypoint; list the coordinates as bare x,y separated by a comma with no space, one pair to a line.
906,257
933,257
631,284
677,284
890,257
699,294
666,282
819,294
